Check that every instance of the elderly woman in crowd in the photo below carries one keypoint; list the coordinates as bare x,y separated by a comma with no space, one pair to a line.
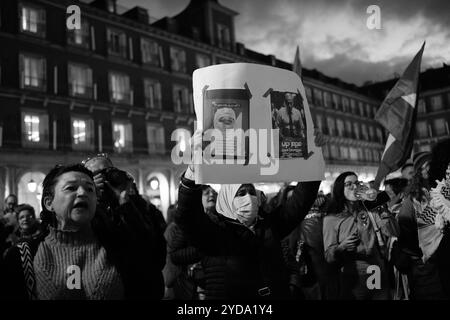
29,226
241,243
353,241
82,255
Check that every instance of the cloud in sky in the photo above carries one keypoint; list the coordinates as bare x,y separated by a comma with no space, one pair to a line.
333,35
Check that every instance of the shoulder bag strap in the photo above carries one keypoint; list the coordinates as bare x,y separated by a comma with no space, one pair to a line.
28,270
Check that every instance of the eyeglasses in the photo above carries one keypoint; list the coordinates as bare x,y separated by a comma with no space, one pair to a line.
348,184
99,155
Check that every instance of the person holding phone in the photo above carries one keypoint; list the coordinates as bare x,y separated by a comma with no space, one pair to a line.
355,240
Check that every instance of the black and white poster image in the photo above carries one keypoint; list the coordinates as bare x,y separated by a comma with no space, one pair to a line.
226,119
289,117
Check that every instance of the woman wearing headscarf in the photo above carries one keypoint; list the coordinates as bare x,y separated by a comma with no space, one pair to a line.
356,239
225,121
241,243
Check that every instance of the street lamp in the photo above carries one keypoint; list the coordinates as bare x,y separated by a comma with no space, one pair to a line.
154,184
32,186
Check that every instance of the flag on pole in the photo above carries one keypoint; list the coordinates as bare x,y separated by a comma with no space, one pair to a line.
297,65
397,115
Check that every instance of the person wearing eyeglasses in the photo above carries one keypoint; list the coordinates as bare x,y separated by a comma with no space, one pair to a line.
356,240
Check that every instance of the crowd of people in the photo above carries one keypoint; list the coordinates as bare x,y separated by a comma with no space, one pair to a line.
98,238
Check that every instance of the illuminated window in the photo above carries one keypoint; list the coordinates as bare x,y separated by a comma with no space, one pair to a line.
177,59
155,138
122,137
34,129
152,90
117,43
151,52
181,99
80,37
202,60
80,81
119,86
33,72
32,20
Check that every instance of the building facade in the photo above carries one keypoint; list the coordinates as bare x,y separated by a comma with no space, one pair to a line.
121,85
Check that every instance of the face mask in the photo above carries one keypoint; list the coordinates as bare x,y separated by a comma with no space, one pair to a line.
246,209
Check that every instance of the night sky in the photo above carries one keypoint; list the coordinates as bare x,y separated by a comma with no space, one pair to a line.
333,36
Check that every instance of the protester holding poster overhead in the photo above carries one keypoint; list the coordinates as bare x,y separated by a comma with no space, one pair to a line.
241,242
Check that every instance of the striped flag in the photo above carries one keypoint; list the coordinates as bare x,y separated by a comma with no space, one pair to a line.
397,115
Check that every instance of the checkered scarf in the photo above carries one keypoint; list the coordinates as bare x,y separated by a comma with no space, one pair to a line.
433,214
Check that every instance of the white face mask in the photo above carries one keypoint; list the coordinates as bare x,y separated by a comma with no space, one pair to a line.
246,209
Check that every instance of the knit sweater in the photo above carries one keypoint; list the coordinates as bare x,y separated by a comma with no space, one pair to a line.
55,278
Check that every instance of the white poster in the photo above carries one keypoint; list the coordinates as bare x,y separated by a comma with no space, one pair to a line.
256,126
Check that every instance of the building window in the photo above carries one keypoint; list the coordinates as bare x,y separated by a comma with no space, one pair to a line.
353,153
345,104
122,137
361,109
223,36
340,127
202,60
348,129
353,106
177,59
356,130
308,92
380,135
34,129
364,131
421,129
334,150
436,103
32,20
439,127
319,124
155,138
82,134
327,99
371,133
344,152
336,102
360,154
181,99
368,111
376,155
80,37
421,106
117,43
33,72
331,125
80,81
369,157
318,97
182,136
151,53
152,89
119,87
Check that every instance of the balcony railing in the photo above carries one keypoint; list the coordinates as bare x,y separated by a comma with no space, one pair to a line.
121,97
80,90
34,82
154,104
117,49
156,147
35,140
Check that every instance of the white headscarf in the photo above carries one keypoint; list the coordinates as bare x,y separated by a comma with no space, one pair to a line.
224,204
227,193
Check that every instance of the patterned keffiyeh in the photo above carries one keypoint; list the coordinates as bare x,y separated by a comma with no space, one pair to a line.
433,215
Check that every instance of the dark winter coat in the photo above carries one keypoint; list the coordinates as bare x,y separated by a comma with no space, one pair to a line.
239,263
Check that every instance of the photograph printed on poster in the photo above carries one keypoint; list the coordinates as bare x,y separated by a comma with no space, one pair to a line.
288,116
227,111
